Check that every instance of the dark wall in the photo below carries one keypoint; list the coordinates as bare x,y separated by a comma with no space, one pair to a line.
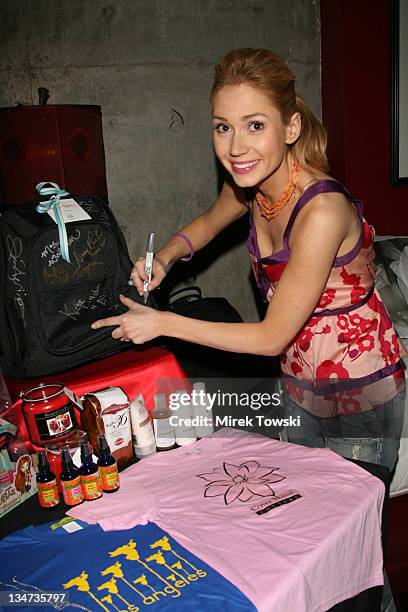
149,65
356,106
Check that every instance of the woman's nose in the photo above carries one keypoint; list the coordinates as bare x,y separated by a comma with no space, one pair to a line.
238,145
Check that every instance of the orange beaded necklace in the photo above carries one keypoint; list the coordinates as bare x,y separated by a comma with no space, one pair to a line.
270,209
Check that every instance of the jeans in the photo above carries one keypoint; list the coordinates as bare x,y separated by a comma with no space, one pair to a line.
372,436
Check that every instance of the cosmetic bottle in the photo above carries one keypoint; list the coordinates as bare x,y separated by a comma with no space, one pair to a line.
70,480
108,469
183,420
163,430
48,495
144,442
203,415
89,472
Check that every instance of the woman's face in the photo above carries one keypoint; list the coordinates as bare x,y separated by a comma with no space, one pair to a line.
25,465
250,139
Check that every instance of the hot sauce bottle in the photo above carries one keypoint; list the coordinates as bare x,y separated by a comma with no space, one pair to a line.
70,480
108,468
48,495
90,479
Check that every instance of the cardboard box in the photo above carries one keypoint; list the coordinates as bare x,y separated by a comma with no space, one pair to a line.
17,481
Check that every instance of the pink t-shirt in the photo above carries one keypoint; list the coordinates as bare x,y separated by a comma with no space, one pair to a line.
294,528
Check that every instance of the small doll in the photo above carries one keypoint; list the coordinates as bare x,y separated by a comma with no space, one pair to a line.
23,474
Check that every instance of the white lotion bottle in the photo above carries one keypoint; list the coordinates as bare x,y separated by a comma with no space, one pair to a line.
183,417
202,411
144,442
163,430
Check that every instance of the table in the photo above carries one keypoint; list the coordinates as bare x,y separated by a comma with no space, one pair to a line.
135,371
293,528
367,601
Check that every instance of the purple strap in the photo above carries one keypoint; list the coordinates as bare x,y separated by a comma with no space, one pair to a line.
343,384
323,186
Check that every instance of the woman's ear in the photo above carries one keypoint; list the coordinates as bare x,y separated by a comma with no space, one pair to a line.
293,128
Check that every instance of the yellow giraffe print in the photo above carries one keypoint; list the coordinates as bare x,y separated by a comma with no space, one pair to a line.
82,584
143,580
165,545
116,570
108,599
110,585
160,560
130,552
155,594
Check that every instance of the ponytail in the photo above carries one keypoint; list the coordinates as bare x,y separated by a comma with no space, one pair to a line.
310,147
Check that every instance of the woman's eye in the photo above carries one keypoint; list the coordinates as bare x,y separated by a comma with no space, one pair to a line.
221,128
256,126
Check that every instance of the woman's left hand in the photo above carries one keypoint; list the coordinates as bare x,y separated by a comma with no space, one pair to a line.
139,324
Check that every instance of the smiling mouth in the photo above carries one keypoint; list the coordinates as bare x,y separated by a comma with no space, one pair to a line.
244,167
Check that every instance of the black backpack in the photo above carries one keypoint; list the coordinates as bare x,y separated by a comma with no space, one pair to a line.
49,304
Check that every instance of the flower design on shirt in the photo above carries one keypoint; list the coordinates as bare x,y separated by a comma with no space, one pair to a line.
242,482
327,297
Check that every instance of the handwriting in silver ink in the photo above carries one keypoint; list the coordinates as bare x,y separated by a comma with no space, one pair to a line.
17,270
52,251
95,299
94,243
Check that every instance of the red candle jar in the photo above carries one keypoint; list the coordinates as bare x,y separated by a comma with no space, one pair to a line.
49,414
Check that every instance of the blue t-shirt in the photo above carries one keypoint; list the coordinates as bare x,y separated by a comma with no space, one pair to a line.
142,568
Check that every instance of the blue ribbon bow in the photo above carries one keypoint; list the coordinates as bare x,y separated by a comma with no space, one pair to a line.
53,203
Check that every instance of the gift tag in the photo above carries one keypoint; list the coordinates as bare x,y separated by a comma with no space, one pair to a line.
73,398
71,527
70,211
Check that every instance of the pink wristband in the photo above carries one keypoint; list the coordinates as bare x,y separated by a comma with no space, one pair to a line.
190,245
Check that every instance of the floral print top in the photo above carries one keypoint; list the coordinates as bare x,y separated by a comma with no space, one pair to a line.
346,357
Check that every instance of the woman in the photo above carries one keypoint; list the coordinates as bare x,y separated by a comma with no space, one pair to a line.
312,255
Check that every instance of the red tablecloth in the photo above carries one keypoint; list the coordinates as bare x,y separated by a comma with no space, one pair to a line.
135,371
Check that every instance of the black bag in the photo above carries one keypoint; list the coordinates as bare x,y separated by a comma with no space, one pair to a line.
49,304
200,362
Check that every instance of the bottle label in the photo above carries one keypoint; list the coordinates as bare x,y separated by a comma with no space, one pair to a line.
164,432
109,477
118,432
57,423
48,494
142,430
72,491
91,486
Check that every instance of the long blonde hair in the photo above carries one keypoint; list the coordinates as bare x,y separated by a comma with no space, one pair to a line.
267,72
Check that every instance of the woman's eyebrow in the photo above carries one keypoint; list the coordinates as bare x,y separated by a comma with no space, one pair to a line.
254,115
244,117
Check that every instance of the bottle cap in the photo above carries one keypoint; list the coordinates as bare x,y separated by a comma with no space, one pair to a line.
103,445
43,461
85,452
66,459
199,386
160,402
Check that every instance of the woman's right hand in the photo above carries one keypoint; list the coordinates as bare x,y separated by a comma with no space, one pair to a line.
138,274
